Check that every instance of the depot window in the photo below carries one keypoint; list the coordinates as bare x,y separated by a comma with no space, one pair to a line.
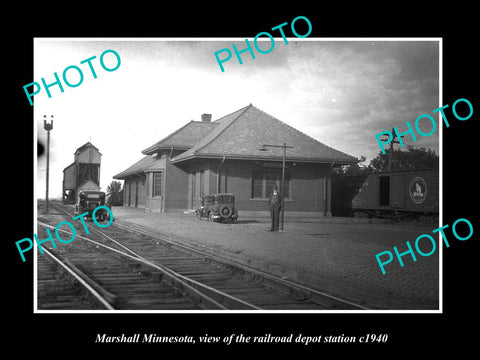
157,184
263,182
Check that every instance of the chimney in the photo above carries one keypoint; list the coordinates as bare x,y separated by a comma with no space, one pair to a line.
206,118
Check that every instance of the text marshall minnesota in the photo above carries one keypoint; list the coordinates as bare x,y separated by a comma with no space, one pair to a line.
146,338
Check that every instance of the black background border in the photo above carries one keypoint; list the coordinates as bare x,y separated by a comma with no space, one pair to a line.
408,333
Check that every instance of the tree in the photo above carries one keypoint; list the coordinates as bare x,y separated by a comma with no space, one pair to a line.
354,169
114,189
411,159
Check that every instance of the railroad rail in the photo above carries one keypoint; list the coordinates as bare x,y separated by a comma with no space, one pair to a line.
213,282
177,280
296,289
77,276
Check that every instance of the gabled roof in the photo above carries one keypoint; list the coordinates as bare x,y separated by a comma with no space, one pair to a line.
88,185
137,168
85,146
146,164
241,134
183,139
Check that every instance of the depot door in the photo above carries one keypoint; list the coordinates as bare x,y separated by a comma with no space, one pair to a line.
136,193
193,193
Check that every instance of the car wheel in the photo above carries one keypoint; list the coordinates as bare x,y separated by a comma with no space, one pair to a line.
225,211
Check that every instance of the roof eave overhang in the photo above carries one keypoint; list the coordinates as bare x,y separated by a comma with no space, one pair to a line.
123,177
331,162
153,150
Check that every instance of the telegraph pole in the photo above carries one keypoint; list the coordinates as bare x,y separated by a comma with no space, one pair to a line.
282,216
47,127
391,162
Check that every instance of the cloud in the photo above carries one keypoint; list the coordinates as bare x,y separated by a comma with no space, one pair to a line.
340,92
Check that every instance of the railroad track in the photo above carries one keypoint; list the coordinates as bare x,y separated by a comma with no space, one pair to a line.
195,279
59,288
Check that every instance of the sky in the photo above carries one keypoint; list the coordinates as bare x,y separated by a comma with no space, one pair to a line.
341,92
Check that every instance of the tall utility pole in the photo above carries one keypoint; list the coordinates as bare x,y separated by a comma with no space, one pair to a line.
47,127
391,162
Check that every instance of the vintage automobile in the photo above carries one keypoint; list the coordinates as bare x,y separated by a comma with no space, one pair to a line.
87,201
217,207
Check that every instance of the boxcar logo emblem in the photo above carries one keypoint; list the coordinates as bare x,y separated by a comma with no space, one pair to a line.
418,190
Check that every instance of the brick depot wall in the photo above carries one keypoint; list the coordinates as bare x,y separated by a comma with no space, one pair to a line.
176,188
307,187
131,198
310,187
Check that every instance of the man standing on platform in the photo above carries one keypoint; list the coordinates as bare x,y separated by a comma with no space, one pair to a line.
275,203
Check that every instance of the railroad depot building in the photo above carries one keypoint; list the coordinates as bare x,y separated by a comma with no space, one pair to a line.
227,155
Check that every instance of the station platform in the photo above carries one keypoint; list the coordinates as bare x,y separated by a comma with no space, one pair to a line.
334,255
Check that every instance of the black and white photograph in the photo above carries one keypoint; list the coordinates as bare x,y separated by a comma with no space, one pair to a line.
263,186
241,190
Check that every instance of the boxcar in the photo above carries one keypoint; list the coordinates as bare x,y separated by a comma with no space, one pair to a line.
396,194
